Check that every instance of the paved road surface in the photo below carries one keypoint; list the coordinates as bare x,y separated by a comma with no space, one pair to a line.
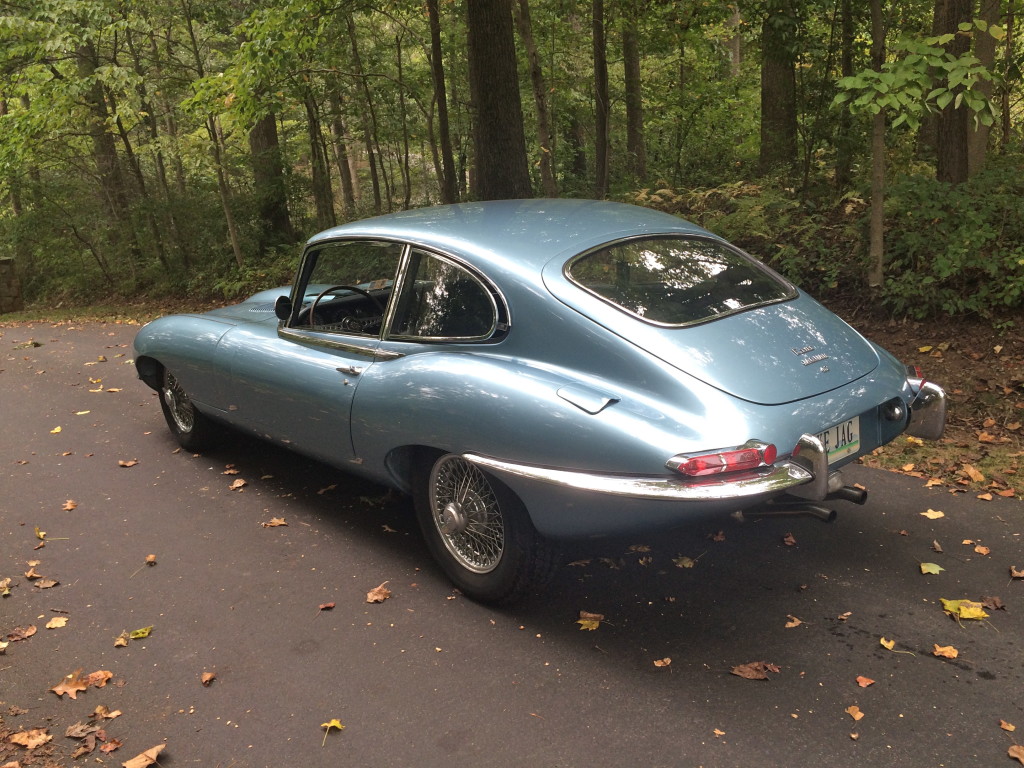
428,678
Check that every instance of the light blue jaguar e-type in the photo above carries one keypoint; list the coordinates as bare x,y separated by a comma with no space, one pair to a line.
536,370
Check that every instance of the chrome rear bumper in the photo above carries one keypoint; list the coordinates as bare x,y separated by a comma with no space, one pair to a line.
927,410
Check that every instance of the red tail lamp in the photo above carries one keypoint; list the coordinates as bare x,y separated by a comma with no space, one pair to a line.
750,455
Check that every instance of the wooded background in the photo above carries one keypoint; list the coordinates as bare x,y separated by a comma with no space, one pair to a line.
870,151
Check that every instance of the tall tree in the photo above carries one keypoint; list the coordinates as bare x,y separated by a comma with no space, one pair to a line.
540,99
635,150
449,186
954,119
268,183
985,50
778,86
499,142
602,101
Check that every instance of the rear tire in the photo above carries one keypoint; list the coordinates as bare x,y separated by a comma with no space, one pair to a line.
479,531
190,428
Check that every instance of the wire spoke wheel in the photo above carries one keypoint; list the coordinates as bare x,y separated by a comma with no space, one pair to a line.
179,407
467,514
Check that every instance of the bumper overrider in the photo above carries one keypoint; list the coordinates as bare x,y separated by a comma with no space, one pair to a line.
804,474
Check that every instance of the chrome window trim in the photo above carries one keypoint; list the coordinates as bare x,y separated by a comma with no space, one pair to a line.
792,290
319,339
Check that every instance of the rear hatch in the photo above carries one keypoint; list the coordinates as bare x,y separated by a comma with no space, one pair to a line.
715,313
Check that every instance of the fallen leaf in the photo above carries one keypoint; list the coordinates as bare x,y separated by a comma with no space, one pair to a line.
144,759
32,574
972,473
1007,726
274,522
684,562
982,550
854,711
378,594
21,633
103,712
789,540
719,732
663,662
590,621
720,536
844,616
993,603
71,685
80,730
121,640
931,568
754,670
331,487
887,644
99,678
69,505
1015,574
793,621
963,609
47,583
207,678
945,651
111,745
5,587
864,682
55,430
237,485
128,463
150,559
333,723
933,514
1016,751
936,546
30,739
57,622
140,634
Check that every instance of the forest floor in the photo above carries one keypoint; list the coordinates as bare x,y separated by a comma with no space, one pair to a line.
979,363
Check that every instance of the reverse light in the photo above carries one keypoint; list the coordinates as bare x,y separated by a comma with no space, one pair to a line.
750,455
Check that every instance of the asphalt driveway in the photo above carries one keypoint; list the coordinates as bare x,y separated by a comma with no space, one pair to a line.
91,484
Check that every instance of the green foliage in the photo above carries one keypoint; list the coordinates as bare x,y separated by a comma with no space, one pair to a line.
957,249
923,77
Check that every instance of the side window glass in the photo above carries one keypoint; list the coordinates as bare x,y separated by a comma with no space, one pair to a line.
443,301
349,286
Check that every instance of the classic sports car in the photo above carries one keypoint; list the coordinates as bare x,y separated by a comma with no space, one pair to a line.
536,370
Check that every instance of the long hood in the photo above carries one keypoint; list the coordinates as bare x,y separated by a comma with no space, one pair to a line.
769,355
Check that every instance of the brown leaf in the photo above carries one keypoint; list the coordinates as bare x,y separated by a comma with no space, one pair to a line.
57,622
71,685
789,540
329,606
99,678
111,745
144,759
274,522
982,550
237,485
793,621
207,678
121,640
1015,574
128,463
864,682
936,546
854,711
47,583
662,662
992,602
150,559
21,633
754,670
30,739
69,505
972,473
31,574
102,711
945,651
80,730
1007,726
378,594
1016,751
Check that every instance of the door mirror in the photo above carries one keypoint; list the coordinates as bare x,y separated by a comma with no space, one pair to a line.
283,308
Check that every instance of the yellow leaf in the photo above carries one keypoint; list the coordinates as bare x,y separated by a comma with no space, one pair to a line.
1016,751
139,634
1007,726
933,514
945,651
931,568
81,413
30,739
332,723
55,430
887,644
793,621
963,609
926,348
57,622
589,624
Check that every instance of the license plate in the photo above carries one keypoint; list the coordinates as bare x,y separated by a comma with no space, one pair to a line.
841,440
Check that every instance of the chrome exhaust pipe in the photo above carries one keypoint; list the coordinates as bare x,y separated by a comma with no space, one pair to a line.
796,509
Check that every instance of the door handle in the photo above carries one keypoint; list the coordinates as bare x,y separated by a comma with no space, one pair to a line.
350,370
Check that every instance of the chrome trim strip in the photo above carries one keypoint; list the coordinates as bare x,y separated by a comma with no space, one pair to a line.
927,410
781,476
318,340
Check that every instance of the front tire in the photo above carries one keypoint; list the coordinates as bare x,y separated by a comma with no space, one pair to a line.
191,429
479,531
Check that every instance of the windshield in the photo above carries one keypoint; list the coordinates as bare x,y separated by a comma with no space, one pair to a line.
677,281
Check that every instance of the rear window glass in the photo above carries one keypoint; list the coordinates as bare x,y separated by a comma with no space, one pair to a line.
676,281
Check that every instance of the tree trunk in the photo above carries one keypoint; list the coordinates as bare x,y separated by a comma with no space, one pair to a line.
985,50
449,182
735,43
778,88
953,121
406,175
341,158
499,143
1007,88
369,116
540,99
876,272
845,139
323,195
223,188
635,150
268,183
602,105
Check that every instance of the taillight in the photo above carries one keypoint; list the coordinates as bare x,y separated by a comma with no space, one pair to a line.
751,455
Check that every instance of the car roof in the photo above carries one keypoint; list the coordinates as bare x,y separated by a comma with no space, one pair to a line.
515,234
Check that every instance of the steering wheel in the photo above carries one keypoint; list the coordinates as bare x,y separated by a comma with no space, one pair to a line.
311,312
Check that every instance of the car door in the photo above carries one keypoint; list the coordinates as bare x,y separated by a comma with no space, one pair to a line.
297,380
